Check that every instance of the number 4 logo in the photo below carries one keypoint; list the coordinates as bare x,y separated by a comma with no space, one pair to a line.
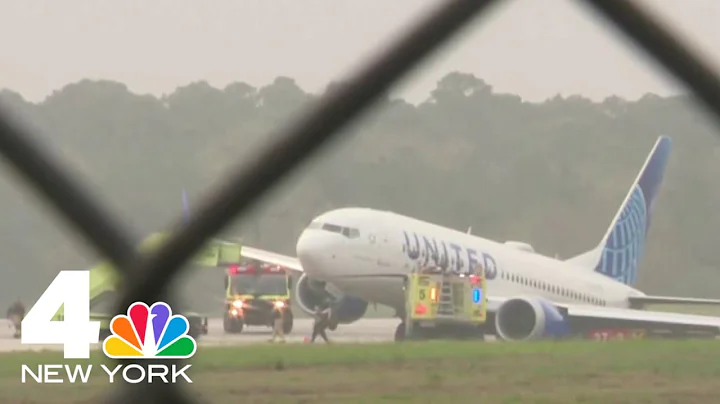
76,332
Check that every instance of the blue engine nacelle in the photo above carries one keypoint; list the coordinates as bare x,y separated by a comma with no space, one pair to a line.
530,318
344,309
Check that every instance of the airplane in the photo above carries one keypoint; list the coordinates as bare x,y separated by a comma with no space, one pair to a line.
361,255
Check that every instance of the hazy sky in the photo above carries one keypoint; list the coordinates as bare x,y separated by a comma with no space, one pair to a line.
535,48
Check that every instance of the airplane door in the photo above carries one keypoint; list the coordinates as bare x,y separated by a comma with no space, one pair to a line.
379,245
372,239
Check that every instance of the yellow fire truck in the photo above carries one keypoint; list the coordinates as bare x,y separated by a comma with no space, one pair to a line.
442,304
252,291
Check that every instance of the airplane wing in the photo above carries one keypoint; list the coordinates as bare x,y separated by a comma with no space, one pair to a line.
642,300
591,317
623,318
284,261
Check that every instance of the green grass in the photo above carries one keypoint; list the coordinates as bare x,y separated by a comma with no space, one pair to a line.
658,372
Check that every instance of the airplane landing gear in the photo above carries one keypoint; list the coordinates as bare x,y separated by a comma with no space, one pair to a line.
400,332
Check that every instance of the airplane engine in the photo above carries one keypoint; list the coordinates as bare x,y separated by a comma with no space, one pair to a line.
524,318
344,309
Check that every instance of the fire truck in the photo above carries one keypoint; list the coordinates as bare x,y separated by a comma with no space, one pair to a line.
443,304
252,290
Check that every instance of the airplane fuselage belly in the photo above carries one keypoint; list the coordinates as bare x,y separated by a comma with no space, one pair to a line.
387,291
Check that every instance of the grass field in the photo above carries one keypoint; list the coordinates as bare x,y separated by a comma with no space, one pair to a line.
657,372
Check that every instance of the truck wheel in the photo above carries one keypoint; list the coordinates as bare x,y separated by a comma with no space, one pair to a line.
288,323
232,325
195,333
104,333
400,332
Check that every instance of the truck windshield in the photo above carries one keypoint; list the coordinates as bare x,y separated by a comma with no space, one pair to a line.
260,285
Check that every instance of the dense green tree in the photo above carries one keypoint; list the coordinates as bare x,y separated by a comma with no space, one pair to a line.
551,174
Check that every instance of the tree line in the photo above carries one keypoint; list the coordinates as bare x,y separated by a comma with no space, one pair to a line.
551,174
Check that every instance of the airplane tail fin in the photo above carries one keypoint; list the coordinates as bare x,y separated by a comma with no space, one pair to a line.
620,250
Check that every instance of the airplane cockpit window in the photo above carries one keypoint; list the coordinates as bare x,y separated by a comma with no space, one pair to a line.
348,232
333,228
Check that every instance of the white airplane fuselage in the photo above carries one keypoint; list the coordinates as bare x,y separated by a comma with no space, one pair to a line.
379,248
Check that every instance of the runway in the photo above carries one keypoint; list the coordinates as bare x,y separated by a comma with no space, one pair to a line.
362,331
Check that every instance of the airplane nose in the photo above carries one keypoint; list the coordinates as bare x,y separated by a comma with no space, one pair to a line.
310,252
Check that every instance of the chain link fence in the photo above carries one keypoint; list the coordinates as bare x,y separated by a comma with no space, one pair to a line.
146,277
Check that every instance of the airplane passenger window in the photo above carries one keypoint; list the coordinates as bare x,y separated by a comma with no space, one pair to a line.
333,228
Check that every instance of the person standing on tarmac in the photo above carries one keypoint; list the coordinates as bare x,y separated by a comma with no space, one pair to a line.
322,317
278,315
15,314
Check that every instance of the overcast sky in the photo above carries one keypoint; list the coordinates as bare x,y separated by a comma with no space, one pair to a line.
535,48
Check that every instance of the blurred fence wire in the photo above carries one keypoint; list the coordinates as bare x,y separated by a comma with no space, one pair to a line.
150,274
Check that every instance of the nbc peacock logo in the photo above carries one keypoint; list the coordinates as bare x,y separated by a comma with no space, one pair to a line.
149,332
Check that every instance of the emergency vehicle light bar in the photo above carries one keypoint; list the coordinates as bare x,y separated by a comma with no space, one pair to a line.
235,269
